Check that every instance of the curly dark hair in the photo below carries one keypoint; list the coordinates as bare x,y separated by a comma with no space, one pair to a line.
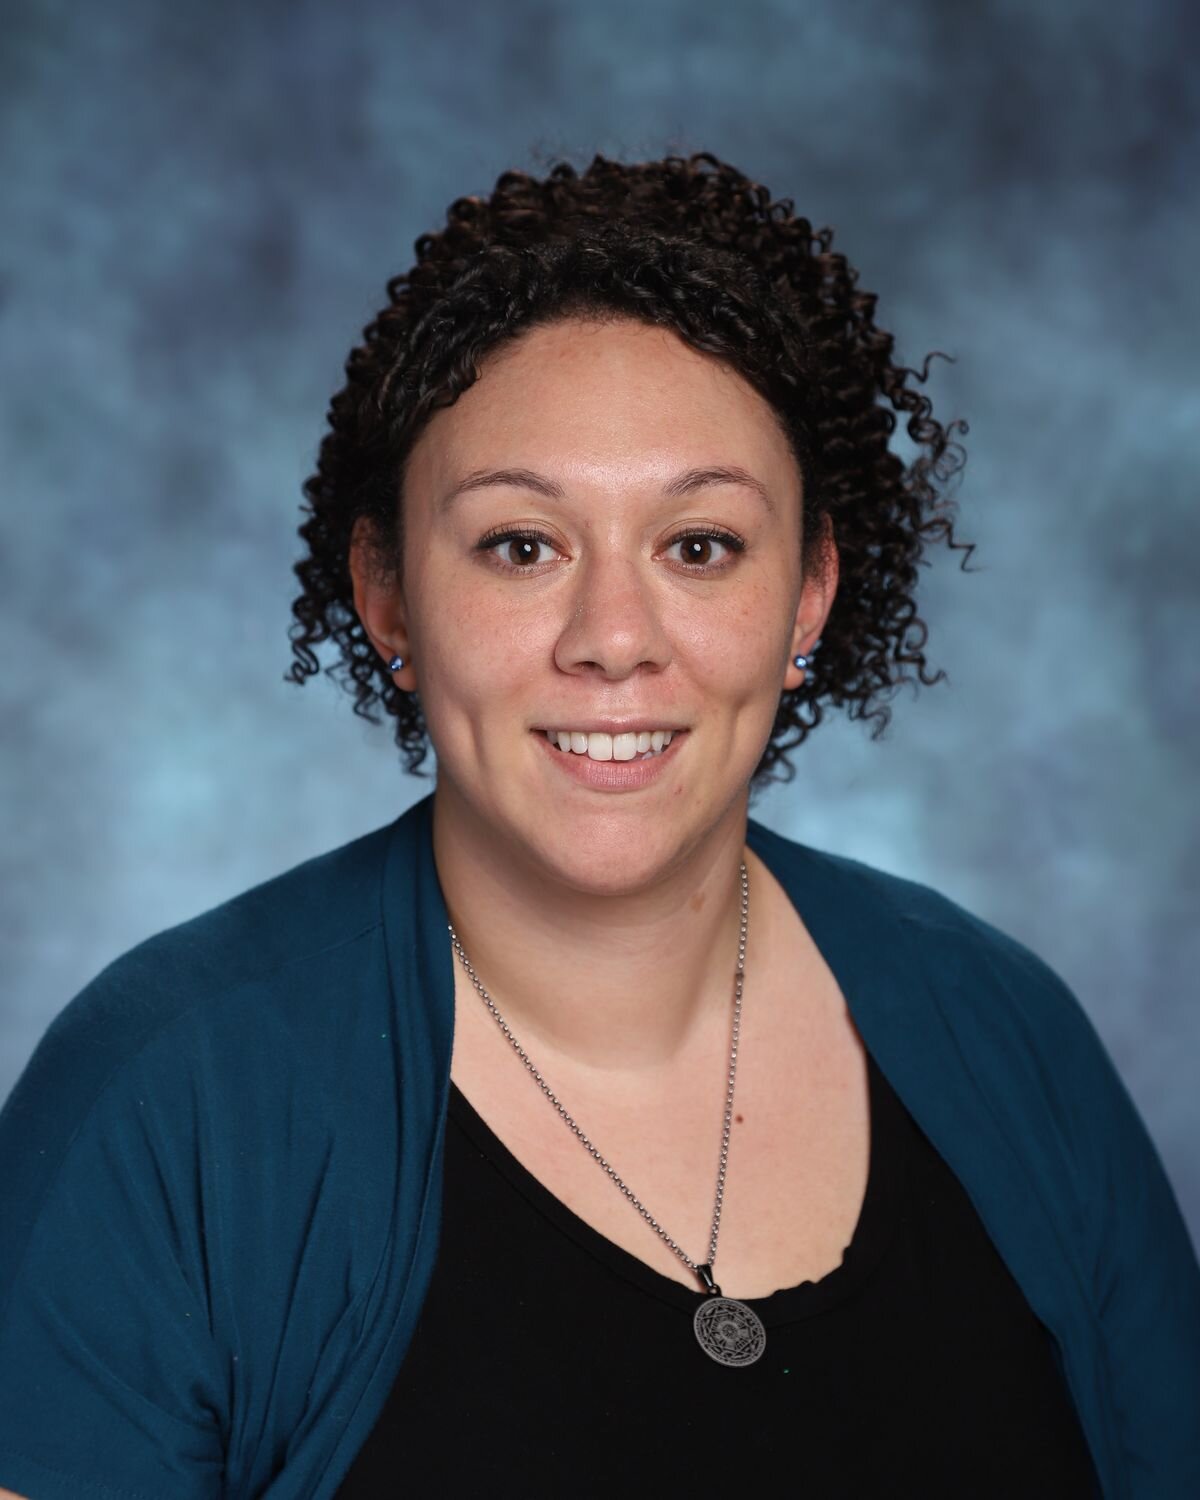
693,245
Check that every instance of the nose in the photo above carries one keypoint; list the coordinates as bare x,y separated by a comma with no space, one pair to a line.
614,624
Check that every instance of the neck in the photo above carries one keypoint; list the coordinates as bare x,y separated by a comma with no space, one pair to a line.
626,982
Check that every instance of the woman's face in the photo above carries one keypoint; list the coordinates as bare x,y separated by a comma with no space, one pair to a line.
617,610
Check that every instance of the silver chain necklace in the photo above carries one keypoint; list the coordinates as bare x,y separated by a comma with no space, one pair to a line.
727,1330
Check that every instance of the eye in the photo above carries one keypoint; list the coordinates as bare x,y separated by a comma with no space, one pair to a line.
522,544
697,548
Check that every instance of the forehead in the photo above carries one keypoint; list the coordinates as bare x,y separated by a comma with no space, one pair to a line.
612,400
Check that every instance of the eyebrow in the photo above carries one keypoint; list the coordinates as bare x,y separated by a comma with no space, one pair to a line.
686,483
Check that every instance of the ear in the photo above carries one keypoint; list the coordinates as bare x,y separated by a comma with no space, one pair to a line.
379,603
816,600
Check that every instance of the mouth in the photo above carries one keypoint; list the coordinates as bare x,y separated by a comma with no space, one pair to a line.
619,745
621,770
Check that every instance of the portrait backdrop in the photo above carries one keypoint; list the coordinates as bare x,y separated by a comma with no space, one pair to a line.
202,204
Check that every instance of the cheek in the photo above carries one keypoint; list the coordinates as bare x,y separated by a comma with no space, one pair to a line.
463,631
469,609
477,677
743,646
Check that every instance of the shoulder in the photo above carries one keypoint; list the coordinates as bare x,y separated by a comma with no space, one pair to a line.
919,951
279,924
221,992
948,941
983,978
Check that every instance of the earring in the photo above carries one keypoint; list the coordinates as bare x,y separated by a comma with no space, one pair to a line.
395,664
800,661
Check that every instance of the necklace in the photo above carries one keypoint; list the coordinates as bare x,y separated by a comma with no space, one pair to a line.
726,1329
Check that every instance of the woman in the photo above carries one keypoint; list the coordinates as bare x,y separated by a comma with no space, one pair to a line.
573,1128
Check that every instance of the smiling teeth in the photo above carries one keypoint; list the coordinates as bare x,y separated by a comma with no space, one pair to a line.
611,746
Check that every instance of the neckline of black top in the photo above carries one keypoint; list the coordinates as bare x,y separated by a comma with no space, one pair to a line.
891,1140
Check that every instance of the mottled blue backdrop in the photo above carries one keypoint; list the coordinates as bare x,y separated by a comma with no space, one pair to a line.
201,205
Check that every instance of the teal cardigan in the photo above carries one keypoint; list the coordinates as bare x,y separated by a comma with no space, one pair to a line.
220,1176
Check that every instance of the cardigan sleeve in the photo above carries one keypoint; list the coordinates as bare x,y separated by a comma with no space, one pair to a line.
1138,1258
111,1382
1146,1290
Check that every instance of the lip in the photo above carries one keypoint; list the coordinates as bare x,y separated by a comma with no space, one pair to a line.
611,775
612,726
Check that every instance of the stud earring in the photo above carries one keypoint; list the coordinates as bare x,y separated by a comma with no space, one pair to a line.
800,661
395,664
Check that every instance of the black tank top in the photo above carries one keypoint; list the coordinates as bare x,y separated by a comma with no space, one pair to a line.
548,1361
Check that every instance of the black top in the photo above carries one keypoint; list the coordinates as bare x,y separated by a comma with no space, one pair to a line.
548,1361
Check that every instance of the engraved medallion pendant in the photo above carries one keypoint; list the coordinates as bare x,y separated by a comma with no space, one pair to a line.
729,1331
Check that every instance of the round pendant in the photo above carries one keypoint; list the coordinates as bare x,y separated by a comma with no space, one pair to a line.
729,1331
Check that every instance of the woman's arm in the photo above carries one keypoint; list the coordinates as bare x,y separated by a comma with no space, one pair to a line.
111,1380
